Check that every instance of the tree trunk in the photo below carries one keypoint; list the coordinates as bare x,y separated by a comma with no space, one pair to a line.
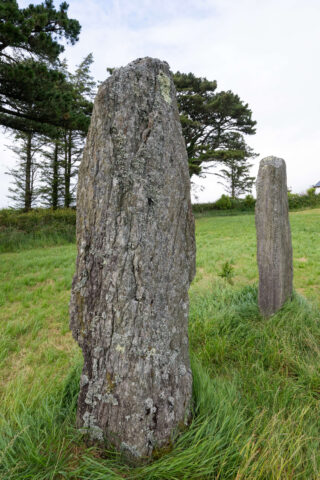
28,180
233,180
69,167
136,259
55,180
66,171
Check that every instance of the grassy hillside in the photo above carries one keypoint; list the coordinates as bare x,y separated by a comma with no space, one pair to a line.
256,381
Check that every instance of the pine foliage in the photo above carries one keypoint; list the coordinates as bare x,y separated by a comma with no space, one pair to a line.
211,121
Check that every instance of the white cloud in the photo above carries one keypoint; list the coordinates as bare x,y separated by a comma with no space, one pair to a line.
267,52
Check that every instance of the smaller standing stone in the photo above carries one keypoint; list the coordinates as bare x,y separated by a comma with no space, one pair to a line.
274,247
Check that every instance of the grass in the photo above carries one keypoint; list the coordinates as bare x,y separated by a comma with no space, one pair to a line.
232,239
256,381
36,229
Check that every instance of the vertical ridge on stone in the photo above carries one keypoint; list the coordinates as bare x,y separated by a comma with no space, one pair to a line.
136,259
274,247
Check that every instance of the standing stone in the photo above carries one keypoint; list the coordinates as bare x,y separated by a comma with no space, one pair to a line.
274,248
136,259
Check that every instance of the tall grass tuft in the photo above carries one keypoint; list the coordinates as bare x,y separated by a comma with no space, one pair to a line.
43,444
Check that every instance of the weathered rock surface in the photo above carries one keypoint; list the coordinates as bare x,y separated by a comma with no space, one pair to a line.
274,247
136,259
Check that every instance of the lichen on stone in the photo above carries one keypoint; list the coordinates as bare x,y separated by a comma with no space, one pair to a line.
164,82
120,348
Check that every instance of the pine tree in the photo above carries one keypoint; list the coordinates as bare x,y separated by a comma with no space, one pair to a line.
33,92
74,139
210,120
36,96
236,172
23,191
51,190
61,160
83,79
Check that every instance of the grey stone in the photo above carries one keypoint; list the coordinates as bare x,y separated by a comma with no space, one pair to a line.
274,247
136,259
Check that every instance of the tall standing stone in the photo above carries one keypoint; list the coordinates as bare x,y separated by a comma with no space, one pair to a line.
274,248
136,259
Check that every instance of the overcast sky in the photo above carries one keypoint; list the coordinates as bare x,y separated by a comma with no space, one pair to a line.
265,51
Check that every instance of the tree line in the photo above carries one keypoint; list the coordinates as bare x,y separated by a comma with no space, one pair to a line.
47,165
48,110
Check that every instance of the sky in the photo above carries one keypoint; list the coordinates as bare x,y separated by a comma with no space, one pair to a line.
267,52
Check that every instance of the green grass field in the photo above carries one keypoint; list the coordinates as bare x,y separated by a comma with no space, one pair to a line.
256,381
